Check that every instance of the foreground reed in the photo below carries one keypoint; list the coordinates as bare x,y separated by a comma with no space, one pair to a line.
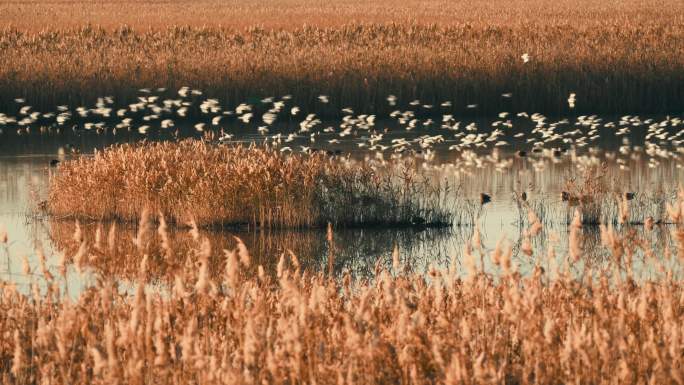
208,185
248,325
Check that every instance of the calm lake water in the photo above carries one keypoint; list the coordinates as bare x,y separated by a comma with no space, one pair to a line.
629,163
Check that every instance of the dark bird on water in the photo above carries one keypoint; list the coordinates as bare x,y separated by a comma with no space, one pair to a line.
565,196
574,200
418,221
485,198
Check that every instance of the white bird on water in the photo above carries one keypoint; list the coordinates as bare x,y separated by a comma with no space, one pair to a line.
245,117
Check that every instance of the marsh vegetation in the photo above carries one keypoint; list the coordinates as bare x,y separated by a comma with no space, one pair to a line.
342,192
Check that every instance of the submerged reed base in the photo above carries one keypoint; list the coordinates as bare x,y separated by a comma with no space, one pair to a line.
242,186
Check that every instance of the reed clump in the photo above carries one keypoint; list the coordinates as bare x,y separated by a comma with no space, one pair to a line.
192,181
594,194
586,193
457,326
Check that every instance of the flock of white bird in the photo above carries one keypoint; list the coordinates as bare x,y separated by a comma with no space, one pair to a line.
420,130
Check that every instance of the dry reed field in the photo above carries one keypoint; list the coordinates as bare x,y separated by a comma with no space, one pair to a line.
229,186
622,56
460,325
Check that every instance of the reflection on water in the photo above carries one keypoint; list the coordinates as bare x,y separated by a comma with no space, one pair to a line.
352,250
25,171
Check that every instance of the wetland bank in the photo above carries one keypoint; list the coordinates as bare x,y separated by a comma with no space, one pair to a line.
289,192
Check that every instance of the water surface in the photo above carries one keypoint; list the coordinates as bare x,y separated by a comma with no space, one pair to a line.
627,163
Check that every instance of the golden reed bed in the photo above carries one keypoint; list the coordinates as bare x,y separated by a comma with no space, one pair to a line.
242,186
622,56
460,325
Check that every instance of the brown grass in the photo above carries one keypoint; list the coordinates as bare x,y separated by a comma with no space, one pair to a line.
191,181
619,57
293,326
